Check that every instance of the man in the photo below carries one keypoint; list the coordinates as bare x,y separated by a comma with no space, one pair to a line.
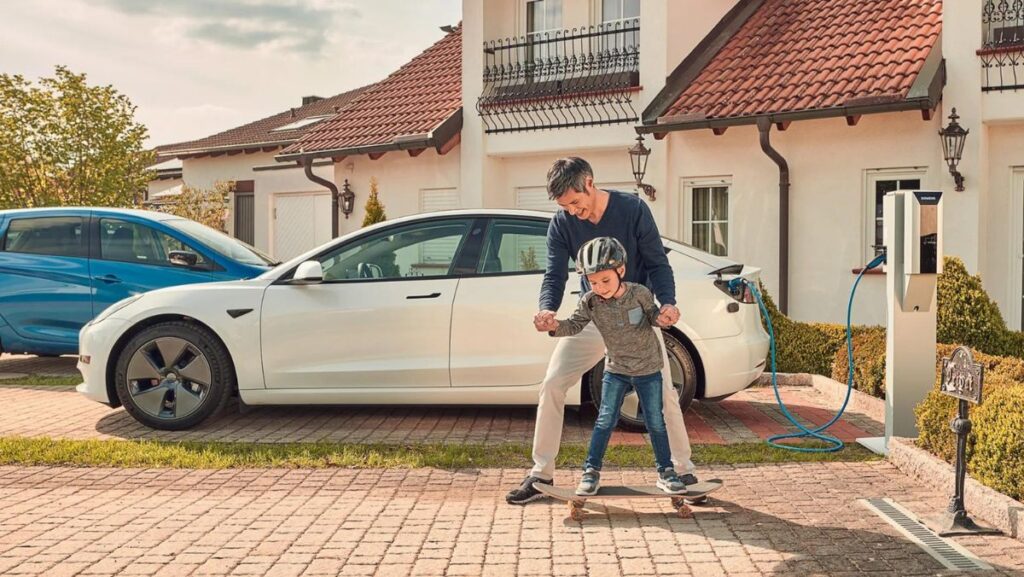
587,213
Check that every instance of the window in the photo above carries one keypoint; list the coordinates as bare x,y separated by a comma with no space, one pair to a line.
137,243
881,183
54,236
543,19
709,218
421,250
514,246
618,10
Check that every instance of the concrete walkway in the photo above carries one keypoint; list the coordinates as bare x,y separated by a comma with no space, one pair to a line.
768,520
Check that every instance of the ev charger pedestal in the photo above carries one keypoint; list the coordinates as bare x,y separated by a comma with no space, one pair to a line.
913,239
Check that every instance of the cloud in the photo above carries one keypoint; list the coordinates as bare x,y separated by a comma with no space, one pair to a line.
298,26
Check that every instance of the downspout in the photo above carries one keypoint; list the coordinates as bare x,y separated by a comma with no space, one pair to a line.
764,125
307,164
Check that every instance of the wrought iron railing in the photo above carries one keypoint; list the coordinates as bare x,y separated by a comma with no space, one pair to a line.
1002,55
561,79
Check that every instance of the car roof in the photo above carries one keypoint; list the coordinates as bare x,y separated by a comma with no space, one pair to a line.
86,210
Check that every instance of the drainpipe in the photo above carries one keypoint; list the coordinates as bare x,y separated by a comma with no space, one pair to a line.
764,125
307,164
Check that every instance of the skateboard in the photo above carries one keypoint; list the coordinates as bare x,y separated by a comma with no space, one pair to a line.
695,495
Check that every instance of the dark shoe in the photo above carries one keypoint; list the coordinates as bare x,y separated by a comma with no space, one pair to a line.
669,482
589,483
688,479
526,493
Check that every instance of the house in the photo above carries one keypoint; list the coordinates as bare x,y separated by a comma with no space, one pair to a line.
269,198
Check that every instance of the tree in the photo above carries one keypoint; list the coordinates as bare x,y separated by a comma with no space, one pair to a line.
64,142
209,207
374,208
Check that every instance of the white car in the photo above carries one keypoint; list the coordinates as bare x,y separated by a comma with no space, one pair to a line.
427,309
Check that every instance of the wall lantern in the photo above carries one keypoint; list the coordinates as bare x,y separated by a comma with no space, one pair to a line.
348,199
953,137
638,156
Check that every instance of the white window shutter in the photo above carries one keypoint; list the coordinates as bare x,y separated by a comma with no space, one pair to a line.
434,200
534,198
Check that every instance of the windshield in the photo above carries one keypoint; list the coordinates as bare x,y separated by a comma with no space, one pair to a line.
230,247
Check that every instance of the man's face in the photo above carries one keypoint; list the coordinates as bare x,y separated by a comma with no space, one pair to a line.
606,283
577,203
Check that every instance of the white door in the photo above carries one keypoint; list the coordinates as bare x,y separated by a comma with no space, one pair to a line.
494,343
380,319
301,222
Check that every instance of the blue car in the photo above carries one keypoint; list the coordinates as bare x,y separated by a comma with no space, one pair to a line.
60,267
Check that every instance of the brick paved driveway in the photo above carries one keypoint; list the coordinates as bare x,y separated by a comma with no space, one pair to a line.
781,520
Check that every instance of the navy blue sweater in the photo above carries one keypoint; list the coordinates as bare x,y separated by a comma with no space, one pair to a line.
628,219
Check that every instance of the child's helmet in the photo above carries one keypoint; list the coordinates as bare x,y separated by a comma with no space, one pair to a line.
602,253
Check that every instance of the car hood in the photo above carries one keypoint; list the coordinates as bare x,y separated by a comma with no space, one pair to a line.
214,286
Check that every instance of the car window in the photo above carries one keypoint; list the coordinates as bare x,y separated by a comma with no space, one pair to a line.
55,236
137,243
424,249
514,246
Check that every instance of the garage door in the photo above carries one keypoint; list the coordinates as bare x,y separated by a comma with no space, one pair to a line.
301,222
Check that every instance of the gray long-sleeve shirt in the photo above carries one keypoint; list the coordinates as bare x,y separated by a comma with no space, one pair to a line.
626,326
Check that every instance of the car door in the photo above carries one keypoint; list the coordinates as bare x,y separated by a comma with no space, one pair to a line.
44,293
132,256
379,320
494,343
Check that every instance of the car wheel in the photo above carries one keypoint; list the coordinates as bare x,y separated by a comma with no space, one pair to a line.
684,378
174,375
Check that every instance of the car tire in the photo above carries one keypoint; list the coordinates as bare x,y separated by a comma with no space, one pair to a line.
176,394
684,377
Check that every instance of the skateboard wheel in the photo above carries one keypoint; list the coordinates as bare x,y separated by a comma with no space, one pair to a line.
699,501
576,510
678,502
684,512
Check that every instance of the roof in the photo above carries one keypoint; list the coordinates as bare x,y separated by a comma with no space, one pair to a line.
263,133
817,58
417,106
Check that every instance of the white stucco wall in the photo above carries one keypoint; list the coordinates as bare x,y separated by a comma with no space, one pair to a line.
1001,271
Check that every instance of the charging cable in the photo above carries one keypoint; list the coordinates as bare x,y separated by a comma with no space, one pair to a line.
832,443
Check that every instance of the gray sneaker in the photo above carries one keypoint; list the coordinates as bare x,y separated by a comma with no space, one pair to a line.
670,482
589,483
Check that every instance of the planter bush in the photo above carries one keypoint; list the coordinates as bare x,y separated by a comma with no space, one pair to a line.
868,362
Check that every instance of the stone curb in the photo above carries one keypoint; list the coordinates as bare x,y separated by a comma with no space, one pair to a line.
832,392
982,502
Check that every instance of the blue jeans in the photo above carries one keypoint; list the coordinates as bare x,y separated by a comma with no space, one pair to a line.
615,387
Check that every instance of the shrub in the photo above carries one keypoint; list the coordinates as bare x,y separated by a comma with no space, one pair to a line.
868,362
802,347
967,315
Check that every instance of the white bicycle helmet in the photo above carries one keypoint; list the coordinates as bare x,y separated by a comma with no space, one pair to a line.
602,253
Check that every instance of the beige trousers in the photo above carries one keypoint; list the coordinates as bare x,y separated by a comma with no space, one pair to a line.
574,356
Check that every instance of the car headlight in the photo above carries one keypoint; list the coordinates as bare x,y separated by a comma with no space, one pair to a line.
115,307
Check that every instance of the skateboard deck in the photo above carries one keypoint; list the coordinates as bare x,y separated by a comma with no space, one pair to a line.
695,495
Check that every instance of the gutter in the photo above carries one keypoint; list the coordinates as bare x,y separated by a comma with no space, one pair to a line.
764,126
307,165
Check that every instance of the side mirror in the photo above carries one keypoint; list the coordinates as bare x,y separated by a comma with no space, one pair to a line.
183,258
309,272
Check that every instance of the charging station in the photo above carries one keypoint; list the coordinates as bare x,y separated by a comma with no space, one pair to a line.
912,230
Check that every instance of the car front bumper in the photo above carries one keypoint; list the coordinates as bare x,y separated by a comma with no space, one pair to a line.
94,344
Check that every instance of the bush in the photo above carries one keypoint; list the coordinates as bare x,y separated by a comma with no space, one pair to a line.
995,446
868,362
967,315
802,347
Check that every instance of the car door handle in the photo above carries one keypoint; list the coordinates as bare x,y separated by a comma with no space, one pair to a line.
109,279
427,296
575,292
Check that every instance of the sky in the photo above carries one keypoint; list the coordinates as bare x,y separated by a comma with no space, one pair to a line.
196,67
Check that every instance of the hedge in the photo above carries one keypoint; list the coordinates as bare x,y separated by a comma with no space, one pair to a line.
967,315
995,446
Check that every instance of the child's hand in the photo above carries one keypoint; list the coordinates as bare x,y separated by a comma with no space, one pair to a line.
544,321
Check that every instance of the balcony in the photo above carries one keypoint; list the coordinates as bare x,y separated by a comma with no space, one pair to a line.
1002,56
561,79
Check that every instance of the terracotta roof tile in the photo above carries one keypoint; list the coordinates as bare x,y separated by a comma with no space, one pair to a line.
415,99
262,131
795,55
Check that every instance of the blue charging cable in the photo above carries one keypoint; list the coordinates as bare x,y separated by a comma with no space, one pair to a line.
832,443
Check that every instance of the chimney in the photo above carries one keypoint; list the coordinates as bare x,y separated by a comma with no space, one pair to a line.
310,99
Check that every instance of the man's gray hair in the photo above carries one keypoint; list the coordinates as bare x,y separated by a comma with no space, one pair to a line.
566,173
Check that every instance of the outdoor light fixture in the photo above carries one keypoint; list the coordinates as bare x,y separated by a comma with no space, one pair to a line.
638,156
348,199
953,137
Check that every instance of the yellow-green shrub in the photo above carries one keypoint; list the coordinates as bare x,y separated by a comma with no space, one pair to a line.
868,362
967,315
802,347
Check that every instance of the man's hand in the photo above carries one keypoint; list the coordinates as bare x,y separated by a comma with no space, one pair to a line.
544,321
668,316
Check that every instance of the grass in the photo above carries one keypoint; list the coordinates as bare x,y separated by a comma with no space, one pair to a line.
38,380
215,455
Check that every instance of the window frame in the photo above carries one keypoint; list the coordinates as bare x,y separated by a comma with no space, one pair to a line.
84,243
463,262
604,20
872,177
486,236
690,185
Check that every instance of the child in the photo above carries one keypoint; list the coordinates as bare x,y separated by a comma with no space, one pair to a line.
627,317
